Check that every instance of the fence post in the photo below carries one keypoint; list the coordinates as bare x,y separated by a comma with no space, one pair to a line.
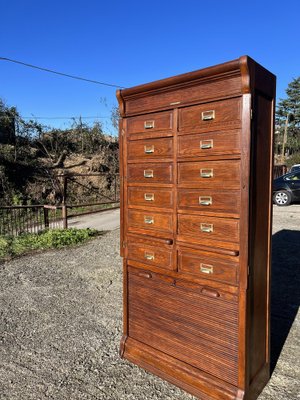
46,217
64,205
115,188
64,216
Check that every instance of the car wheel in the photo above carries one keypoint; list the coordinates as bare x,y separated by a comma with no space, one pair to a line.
282,198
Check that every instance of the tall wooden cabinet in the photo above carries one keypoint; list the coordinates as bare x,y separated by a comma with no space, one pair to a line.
196,169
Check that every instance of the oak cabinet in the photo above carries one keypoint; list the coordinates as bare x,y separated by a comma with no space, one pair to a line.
196,176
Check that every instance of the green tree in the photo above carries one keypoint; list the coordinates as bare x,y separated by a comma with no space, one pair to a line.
288,121
7,123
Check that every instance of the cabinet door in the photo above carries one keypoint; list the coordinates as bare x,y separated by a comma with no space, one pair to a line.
196,326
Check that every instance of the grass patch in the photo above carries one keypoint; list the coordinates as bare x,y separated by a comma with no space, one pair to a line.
11,246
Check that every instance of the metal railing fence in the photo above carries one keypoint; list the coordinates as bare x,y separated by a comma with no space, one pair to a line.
15,220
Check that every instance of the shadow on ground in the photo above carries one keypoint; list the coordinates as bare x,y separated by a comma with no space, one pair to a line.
285,289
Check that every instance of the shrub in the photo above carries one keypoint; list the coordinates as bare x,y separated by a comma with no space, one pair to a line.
293,159
56,238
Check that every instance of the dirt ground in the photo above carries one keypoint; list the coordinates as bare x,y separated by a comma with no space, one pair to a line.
61,321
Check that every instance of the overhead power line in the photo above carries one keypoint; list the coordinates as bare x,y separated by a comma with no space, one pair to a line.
74,117
61,73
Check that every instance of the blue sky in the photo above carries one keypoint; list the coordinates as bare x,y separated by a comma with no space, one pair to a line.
133,42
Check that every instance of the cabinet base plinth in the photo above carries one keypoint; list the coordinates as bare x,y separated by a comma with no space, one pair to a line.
183,375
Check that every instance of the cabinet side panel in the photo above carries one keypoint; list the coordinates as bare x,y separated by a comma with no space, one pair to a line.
260,227
121,170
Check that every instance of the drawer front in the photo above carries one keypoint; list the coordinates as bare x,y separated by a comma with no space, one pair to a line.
202,227
150,173
210,174
210,116
205,91
186,324
150,148
206,144
150,123
201,265
149,221
156,256
150,197
227,201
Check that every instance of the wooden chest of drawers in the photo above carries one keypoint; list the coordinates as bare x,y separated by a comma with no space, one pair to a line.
196,169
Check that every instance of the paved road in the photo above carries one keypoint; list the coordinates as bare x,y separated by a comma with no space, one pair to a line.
110,220
103,221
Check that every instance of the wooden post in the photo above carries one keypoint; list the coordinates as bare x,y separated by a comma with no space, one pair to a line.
64,203
64,216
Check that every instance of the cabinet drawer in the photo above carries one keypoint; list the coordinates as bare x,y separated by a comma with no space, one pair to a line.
195,93
145,253
202,227
201,265
150,148
150,173
205,200
149,221
210,116
210,174
156,124
206,144
150,197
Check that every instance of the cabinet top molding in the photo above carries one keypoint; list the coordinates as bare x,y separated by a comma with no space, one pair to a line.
250,74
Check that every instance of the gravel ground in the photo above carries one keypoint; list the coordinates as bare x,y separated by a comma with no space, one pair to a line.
61,322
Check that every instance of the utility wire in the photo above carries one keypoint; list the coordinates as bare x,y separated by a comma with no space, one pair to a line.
61,73
34,117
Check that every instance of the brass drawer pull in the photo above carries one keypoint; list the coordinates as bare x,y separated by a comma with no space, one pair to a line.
206,268
149,149
149,220
206,144
205,200
210,292
206,173
145,275
208,228
208,115
149,255
148,173
149,124
149,196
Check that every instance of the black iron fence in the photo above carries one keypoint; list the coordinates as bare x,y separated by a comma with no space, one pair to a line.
15,220
100,191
